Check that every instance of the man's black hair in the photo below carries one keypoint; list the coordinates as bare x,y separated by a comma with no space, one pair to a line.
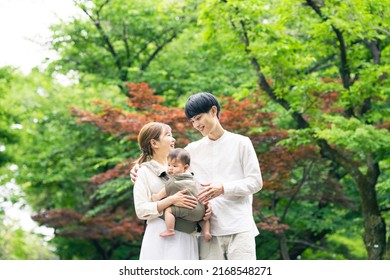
201,103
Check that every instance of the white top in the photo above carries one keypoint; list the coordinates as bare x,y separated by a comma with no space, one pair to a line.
232,161
147,183
181,246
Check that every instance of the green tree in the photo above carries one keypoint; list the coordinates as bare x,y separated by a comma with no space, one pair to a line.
117,40
302,49
56,156
7,118
310,87
15,242
19,244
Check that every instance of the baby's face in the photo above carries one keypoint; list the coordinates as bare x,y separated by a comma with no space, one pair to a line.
175,167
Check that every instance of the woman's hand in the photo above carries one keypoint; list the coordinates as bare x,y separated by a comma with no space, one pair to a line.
185,201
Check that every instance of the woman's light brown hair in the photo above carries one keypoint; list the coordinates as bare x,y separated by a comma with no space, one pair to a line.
147,133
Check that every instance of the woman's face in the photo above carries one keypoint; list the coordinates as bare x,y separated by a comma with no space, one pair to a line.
166,142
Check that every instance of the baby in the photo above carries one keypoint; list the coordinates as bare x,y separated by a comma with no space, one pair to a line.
180,178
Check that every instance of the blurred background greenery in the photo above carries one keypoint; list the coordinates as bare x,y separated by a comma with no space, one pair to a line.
310,82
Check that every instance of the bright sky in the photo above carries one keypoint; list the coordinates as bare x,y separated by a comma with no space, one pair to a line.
19,213
24,30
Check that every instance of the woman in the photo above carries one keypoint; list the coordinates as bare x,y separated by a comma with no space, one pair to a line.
156,141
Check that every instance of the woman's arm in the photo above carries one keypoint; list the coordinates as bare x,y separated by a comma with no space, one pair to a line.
179,199
145,208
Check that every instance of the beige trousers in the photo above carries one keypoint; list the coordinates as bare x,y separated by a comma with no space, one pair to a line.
239,246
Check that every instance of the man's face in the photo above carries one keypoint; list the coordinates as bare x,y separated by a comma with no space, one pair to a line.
205,122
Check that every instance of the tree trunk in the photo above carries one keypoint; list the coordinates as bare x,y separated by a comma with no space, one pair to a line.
374,225
283,247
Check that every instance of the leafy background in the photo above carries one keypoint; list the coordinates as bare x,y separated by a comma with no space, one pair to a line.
307,81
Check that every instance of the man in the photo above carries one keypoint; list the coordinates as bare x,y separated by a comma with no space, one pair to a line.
226,166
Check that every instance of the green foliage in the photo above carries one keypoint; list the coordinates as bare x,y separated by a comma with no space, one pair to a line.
383,190
357,136
193,63
116,40
340,88
341,245
319,61
383,186
112,193
55,152
297,138
56,156
18,244
75,249
7,117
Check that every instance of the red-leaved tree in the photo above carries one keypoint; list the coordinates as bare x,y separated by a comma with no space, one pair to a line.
249,117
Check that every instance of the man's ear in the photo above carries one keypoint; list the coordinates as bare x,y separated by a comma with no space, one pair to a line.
214,110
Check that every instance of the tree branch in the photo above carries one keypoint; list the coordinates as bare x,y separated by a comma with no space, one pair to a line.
325,149
97,22
309,244
373,46
320,65
101,7
344,69
302,123
156,51
306,172
124,38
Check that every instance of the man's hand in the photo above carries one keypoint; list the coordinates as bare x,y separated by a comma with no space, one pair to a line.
210,191
133,173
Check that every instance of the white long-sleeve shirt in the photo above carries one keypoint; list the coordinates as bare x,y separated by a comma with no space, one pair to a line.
232,161
147,183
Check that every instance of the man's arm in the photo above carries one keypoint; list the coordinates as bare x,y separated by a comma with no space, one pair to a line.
133,172
252,181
